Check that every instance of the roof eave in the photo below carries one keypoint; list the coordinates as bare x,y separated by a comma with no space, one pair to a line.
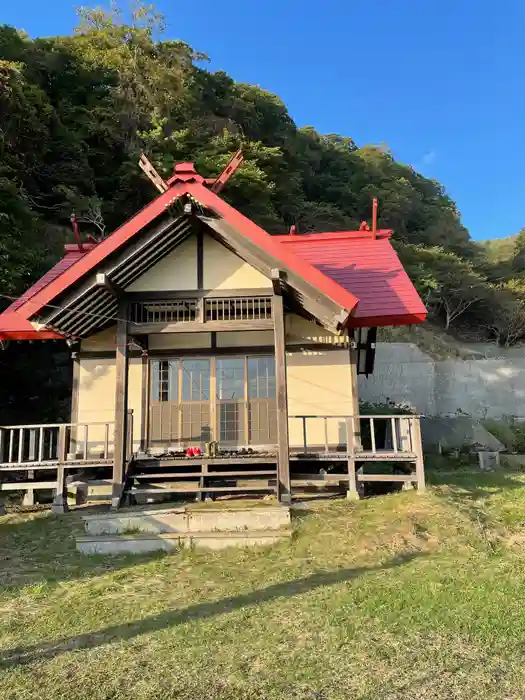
387,320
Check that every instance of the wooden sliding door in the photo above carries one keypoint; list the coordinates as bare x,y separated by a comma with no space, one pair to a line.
229,399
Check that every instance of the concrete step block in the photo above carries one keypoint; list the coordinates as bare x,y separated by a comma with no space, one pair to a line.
187,519
139,544
146,521
236,519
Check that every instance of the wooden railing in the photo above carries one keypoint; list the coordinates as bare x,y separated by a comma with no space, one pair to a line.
54,449
29,446
377,436
356,441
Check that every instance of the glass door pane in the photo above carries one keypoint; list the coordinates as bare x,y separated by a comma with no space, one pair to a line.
164,404
196,413
231,403
262,407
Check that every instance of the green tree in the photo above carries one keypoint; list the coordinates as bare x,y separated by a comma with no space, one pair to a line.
506,314
449,285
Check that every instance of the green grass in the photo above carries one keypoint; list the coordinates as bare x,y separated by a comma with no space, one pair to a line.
401,596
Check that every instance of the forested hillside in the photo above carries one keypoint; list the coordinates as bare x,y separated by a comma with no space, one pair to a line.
76,111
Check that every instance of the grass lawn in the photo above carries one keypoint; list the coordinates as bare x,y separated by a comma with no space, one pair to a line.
401,596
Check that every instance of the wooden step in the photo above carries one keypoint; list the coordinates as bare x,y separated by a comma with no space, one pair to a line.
78,463
198,475
386,477
330,476
198,489
140,543
386,456
24,485
186,461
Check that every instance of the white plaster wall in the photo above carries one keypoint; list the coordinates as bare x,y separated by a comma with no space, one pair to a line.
222,269
175,272
96,398
319,384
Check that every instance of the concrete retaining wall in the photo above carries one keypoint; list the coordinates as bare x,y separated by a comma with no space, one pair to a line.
491,386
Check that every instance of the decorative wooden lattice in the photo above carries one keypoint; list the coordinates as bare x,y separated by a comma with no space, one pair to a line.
173,311
215,309
238,309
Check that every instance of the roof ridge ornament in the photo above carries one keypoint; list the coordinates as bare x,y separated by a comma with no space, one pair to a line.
186,172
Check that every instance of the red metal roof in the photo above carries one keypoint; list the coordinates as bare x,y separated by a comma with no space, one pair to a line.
73,253
370,268
14,326
209,199
344,297
351,268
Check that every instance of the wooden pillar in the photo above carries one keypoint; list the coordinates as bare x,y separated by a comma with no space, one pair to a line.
352,494
354,389
353,427
283,452
75,398
145,399
121,404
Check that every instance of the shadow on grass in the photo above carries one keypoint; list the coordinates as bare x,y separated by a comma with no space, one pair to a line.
198,611
41,549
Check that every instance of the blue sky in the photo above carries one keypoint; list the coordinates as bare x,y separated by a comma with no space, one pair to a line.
440,81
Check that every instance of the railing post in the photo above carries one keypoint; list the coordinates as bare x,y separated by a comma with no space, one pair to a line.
41,444
20,445
418,449
129,440
59,504
11,445
352,494
373,435
50,445
32,444
394,433
62,444
28,498
106,441
2,444
305,438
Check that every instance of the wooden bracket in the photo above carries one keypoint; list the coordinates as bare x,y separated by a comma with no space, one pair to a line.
278,281
102,280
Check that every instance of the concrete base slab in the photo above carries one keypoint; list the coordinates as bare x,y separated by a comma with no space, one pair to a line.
139,544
